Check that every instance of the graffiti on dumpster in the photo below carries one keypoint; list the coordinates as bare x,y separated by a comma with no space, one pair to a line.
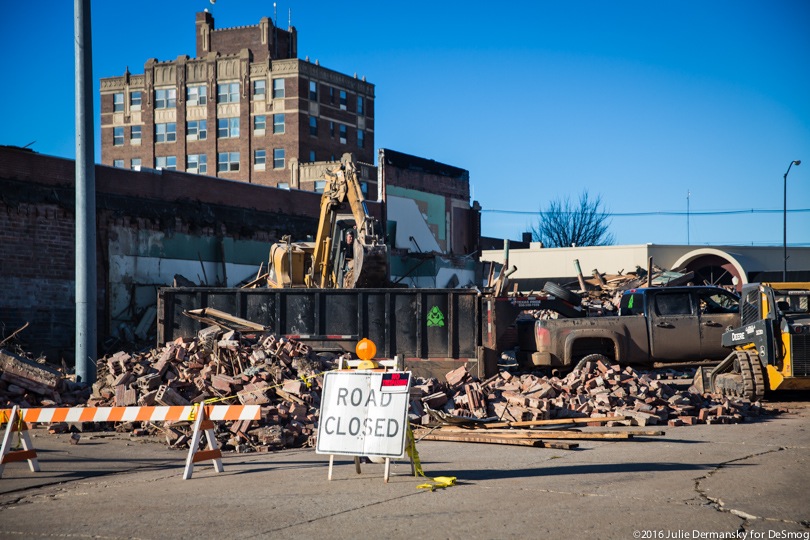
435,317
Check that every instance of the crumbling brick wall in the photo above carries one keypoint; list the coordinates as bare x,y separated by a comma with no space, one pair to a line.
37,233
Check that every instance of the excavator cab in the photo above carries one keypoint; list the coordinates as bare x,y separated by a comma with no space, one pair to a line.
327,262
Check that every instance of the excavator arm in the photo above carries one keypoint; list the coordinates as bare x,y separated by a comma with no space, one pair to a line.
370,254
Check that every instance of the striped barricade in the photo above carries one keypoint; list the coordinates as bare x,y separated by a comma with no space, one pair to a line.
203,417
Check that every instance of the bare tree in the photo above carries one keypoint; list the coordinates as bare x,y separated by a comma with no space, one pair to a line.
565,223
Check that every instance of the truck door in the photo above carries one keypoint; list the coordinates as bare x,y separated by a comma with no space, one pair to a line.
718,310
674,330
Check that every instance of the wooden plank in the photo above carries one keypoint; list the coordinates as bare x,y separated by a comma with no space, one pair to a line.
527,434
557,422
489,439
559,434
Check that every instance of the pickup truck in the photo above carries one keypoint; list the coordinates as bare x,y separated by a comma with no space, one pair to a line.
655,325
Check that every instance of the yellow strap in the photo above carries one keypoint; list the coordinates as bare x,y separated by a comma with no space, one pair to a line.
439,482
193,414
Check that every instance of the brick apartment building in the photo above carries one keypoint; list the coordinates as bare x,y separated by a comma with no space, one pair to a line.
245,108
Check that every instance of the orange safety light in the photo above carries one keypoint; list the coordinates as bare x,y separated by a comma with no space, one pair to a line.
365,351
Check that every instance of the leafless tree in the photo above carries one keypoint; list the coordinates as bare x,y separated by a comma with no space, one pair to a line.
564,223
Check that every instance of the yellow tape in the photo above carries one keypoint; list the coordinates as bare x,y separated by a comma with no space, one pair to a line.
193,414
439,482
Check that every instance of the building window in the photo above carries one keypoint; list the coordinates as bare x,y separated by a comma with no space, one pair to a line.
343,100
227,128
331,129
364,188
283,185
313,91
360,106
259,89
259,124
228,162
278,158
278,123
118,163
135,164
196,95
343,133
312,156
278,88
165,133
259,159
320,185
331,95
313,126
135,135
118,102
166,98
197,130
118,136
166,162
228,93
134,101
197,163
361,139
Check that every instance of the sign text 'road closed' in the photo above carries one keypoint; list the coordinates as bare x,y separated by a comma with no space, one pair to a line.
364,413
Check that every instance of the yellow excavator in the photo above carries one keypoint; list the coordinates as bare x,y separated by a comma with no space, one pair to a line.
346,254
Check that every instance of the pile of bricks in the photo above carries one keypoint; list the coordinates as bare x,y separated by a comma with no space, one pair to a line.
28,383
598,390
280,375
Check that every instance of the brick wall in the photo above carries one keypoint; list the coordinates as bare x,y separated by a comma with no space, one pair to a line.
37,232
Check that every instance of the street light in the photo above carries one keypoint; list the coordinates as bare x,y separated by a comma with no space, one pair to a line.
784,218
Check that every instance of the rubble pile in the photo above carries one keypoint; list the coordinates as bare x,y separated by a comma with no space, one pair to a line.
284,377
601,293
598,390
29,383
280,375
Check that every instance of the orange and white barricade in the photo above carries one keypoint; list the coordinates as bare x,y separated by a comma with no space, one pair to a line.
16,425
203,416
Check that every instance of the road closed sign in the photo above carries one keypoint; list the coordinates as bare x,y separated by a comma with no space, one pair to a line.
364,413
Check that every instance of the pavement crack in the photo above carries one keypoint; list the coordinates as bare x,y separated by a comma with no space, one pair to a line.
718,504
264,534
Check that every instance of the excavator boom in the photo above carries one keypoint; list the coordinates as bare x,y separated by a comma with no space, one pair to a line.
331,266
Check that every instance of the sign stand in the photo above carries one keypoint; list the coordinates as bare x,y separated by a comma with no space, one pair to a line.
386,475
29,454
364,413
213,453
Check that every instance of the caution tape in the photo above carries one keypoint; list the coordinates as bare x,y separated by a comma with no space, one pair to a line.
438,482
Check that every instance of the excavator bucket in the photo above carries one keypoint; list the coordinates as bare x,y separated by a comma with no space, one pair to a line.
369,269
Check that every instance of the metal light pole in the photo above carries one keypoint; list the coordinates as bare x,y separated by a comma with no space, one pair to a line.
784,218
85,199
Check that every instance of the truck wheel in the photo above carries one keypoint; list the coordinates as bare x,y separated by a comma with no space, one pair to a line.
563,294
594,358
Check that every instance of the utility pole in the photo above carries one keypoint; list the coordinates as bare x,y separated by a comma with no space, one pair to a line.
85,263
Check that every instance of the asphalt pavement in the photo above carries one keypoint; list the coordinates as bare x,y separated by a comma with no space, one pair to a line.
748,480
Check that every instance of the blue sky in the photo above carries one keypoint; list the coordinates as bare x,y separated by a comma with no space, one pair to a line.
641,102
